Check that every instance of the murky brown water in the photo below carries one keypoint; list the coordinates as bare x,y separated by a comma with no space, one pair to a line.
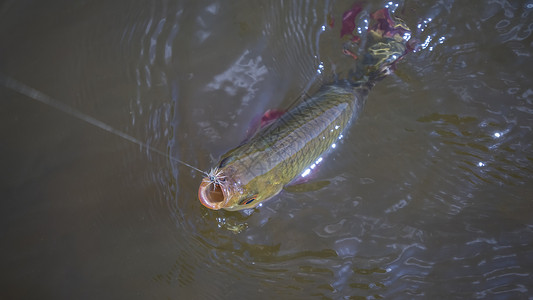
430,193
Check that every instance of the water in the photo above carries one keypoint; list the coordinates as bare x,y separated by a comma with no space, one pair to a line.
429,194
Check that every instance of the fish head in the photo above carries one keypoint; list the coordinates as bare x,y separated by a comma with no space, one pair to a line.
231,187
215,195
222,188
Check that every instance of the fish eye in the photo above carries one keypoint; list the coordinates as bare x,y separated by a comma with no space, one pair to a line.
248,200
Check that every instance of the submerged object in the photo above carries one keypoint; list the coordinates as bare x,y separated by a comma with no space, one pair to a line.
259,168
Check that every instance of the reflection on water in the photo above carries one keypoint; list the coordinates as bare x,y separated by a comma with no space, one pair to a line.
429,191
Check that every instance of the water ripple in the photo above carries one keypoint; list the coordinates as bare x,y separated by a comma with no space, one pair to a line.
416,218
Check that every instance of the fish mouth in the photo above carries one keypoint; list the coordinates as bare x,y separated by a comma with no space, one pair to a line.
212,195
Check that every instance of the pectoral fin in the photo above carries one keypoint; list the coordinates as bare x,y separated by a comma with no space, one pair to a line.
307,186
261,121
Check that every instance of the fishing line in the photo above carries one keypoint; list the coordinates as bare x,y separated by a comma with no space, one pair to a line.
36,95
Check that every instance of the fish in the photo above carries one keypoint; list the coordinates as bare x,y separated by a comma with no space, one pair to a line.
260,167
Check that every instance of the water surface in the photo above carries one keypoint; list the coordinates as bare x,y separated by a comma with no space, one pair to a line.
430,191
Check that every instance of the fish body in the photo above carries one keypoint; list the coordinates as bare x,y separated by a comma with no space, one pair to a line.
259,168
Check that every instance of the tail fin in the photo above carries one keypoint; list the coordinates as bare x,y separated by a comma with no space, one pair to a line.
387,43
